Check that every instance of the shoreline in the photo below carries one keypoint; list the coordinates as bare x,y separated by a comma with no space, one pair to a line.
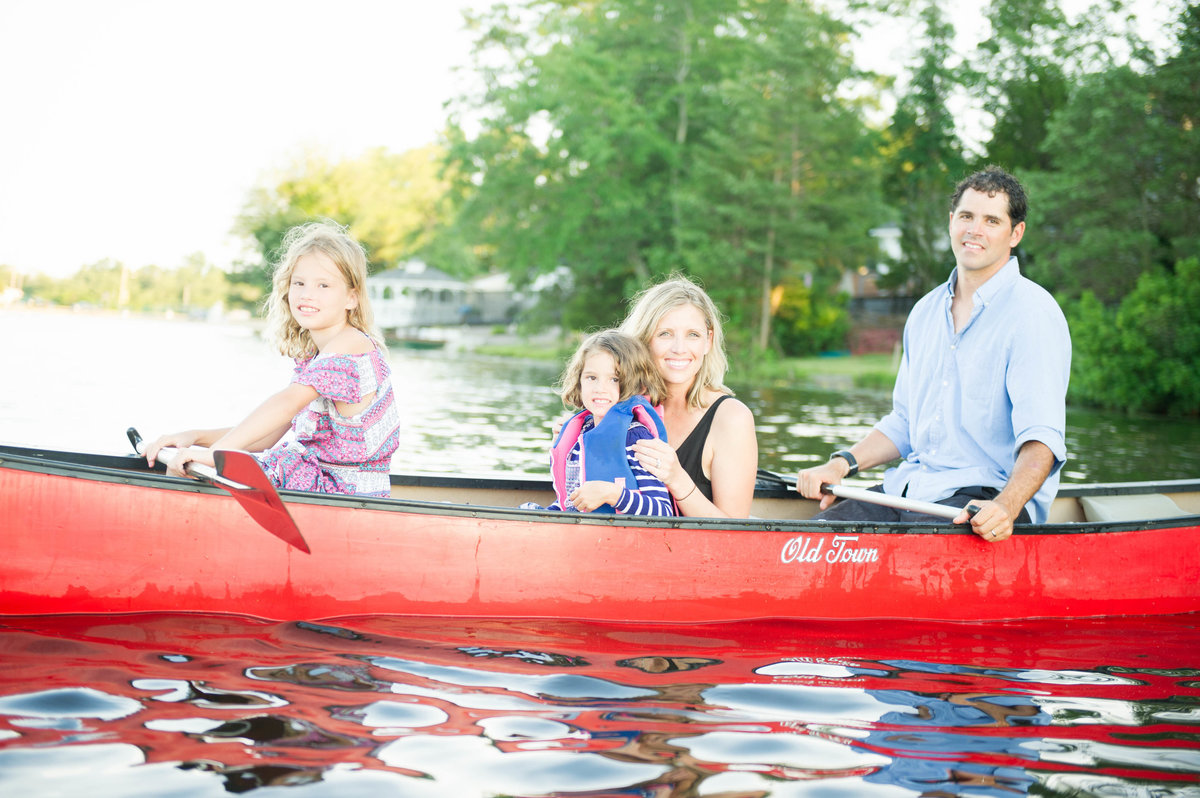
844,372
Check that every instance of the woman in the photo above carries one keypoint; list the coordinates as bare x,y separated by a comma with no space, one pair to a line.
711,460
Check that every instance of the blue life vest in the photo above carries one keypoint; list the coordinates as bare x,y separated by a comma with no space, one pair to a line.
602,454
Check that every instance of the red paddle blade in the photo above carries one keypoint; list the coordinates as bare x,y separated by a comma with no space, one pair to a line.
258,497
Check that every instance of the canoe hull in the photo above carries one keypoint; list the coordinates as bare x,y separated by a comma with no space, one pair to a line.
102,542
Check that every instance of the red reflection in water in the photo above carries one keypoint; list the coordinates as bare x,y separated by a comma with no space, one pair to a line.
999,707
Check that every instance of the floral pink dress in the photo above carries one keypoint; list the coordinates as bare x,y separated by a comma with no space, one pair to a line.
327,453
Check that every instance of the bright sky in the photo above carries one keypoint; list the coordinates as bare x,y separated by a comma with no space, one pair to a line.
136,129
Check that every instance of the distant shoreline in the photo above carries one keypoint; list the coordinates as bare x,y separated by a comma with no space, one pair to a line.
843,373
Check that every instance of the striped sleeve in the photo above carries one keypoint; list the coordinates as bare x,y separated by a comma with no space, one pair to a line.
651,496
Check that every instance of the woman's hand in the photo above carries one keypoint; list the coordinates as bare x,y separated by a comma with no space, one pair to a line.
657,457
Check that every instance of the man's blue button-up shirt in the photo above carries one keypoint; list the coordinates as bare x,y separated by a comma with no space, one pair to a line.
965,402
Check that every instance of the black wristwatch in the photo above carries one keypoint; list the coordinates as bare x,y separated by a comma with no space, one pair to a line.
849,458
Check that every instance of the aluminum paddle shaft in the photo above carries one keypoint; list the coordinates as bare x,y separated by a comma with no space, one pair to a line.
897,502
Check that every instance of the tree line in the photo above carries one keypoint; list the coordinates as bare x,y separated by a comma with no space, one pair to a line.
740,142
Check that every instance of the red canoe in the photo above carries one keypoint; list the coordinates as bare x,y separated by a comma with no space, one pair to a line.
100,533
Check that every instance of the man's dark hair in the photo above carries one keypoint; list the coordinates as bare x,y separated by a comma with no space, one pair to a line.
993,180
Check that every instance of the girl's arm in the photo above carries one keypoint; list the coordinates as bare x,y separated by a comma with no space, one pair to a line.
183,440
268,422
260,430
650,497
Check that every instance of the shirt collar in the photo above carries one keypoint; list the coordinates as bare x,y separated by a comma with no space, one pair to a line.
999,281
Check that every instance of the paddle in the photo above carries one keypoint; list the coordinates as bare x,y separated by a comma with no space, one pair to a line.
770,481
897,502
240,474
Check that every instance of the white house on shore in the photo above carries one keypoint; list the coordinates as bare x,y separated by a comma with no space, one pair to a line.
416,295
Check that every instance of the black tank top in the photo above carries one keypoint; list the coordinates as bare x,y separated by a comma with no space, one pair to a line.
691,451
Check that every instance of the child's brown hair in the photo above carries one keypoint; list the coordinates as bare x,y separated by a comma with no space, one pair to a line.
636,370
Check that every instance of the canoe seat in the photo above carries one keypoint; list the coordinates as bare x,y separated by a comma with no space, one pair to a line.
1136,507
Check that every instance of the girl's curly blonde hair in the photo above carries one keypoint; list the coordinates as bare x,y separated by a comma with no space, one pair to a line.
332,240
636,370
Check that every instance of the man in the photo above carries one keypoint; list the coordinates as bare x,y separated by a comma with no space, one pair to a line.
979,408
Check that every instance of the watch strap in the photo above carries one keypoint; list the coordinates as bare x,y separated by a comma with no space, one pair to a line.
849,458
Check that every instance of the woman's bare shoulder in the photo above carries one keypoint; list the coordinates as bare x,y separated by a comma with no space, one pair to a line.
734,412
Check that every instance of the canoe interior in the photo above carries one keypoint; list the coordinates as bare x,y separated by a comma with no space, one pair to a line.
774,498
771,501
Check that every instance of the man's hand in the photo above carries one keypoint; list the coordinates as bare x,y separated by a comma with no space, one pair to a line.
993,522
810,480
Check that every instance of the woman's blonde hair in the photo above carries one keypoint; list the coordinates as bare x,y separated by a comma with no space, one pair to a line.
651,305
636,370
332,240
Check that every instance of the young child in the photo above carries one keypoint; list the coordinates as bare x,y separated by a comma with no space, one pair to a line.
338,408
592,462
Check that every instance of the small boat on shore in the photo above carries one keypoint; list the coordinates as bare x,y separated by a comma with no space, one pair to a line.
92,533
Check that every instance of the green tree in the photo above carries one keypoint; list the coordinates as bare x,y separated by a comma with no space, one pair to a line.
625,139
786,189
1120,199
1142,355
193,287
11,281
1022,73
809,323
197,285
393,204
1096,239
1175,88
925,156
583,131
98,285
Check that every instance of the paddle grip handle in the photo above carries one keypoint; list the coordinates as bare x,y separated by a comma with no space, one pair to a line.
198,470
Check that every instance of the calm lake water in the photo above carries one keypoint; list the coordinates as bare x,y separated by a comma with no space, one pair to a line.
75,381
206,705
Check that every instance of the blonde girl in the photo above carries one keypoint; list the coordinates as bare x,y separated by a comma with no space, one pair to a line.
333,429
